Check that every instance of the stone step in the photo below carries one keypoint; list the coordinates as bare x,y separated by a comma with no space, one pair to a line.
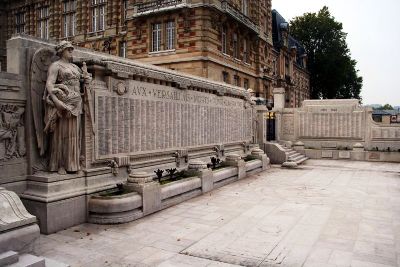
295,157
290,153
28,260
8,258
304,158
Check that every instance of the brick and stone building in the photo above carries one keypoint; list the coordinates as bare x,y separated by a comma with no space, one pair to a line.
232,41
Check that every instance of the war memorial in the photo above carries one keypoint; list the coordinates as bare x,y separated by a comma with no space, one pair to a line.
89,138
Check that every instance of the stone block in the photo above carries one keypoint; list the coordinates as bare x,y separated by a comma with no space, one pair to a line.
258,153
58,215
235,160
358,147
344,154
20,239
18,228
326,154
142,183
358,155
26,260
8,258
289,165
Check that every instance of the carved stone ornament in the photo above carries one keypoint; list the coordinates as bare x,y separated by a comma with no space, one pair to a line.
57,106
12,133
12,212
120,88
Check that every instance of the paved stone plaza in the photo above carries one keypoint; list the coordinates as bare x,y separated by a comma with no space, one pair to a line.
325,213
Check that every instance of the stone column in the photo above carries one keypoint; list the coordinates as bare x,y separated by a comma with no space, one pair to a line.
258,153
279,98
142,183
199,168
236,160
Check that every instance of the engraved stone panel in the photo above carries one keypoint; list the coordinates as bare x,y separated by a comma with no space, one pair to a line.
151,117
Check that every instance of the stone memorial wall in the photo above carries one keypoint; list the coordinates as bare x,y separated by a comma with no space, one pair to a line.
91,119
332,124
151,117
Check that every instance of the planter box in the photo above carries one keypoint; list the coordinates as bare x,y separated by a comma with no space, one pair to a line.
115,209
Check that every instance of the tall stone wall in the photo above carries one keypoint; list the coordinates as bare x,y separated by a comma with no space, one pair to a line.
335,124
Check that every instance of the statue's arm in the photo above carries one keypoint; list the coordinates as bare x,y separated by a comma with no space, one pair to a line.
50,86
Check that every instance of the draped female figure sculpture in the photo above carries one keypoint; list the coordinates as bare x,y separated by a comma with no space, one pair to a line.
62,110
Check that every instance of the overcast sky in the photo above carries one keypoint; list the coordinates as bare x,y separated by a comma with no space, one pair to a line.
373,29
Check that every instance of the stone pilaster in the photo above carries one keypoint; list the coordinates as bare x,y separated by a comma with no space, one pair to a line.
142,183
279,98
236,160
199,168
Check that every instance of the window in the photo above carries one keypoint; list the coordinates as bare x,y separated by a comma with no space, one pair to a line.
170,37
20,22
246,84
156,37
223,39
245,8
122,49
287,66
43,22
235,46
225,77
124,10
69,18
245,51
163,36
236,80
98,15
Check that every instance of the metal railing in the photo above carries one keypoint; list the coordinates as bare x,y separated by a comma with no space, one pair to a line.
156,5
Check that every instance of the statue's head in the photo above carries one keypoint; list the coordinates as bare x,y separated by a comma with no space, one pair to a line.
64,46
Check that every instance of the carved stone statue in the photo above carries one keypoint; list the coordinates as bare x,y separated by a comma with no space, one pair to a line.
57,107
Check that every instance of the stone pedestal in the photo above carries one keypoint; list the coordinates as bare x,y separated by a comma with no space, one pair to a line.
142,183
236,160
358,147
279,98
18,228
199,168
258,153
298,146
358,152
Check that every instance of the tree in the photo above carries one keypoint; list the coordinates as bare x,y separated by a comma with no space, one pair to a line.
385,107
333,72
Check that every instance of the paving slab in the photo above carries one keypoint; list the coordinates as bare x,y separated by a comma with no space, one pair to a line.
325,213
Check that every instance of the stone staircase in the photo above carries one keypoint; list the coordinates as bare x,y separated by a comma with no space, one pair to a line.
292,155
13,259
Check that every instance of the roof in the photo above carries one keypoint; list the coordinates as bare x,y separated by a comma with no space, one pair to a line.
279,24
380,112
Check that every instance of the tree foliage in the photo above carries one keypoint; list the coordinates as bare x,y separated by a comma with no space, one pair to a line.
385,107
333,72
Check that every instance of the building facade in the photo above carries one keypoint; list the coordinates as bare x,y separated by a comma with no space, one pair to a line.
230,41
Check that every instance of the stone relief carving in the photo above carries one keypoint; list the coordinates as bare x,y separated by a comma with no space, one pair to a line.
12,133
58,101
